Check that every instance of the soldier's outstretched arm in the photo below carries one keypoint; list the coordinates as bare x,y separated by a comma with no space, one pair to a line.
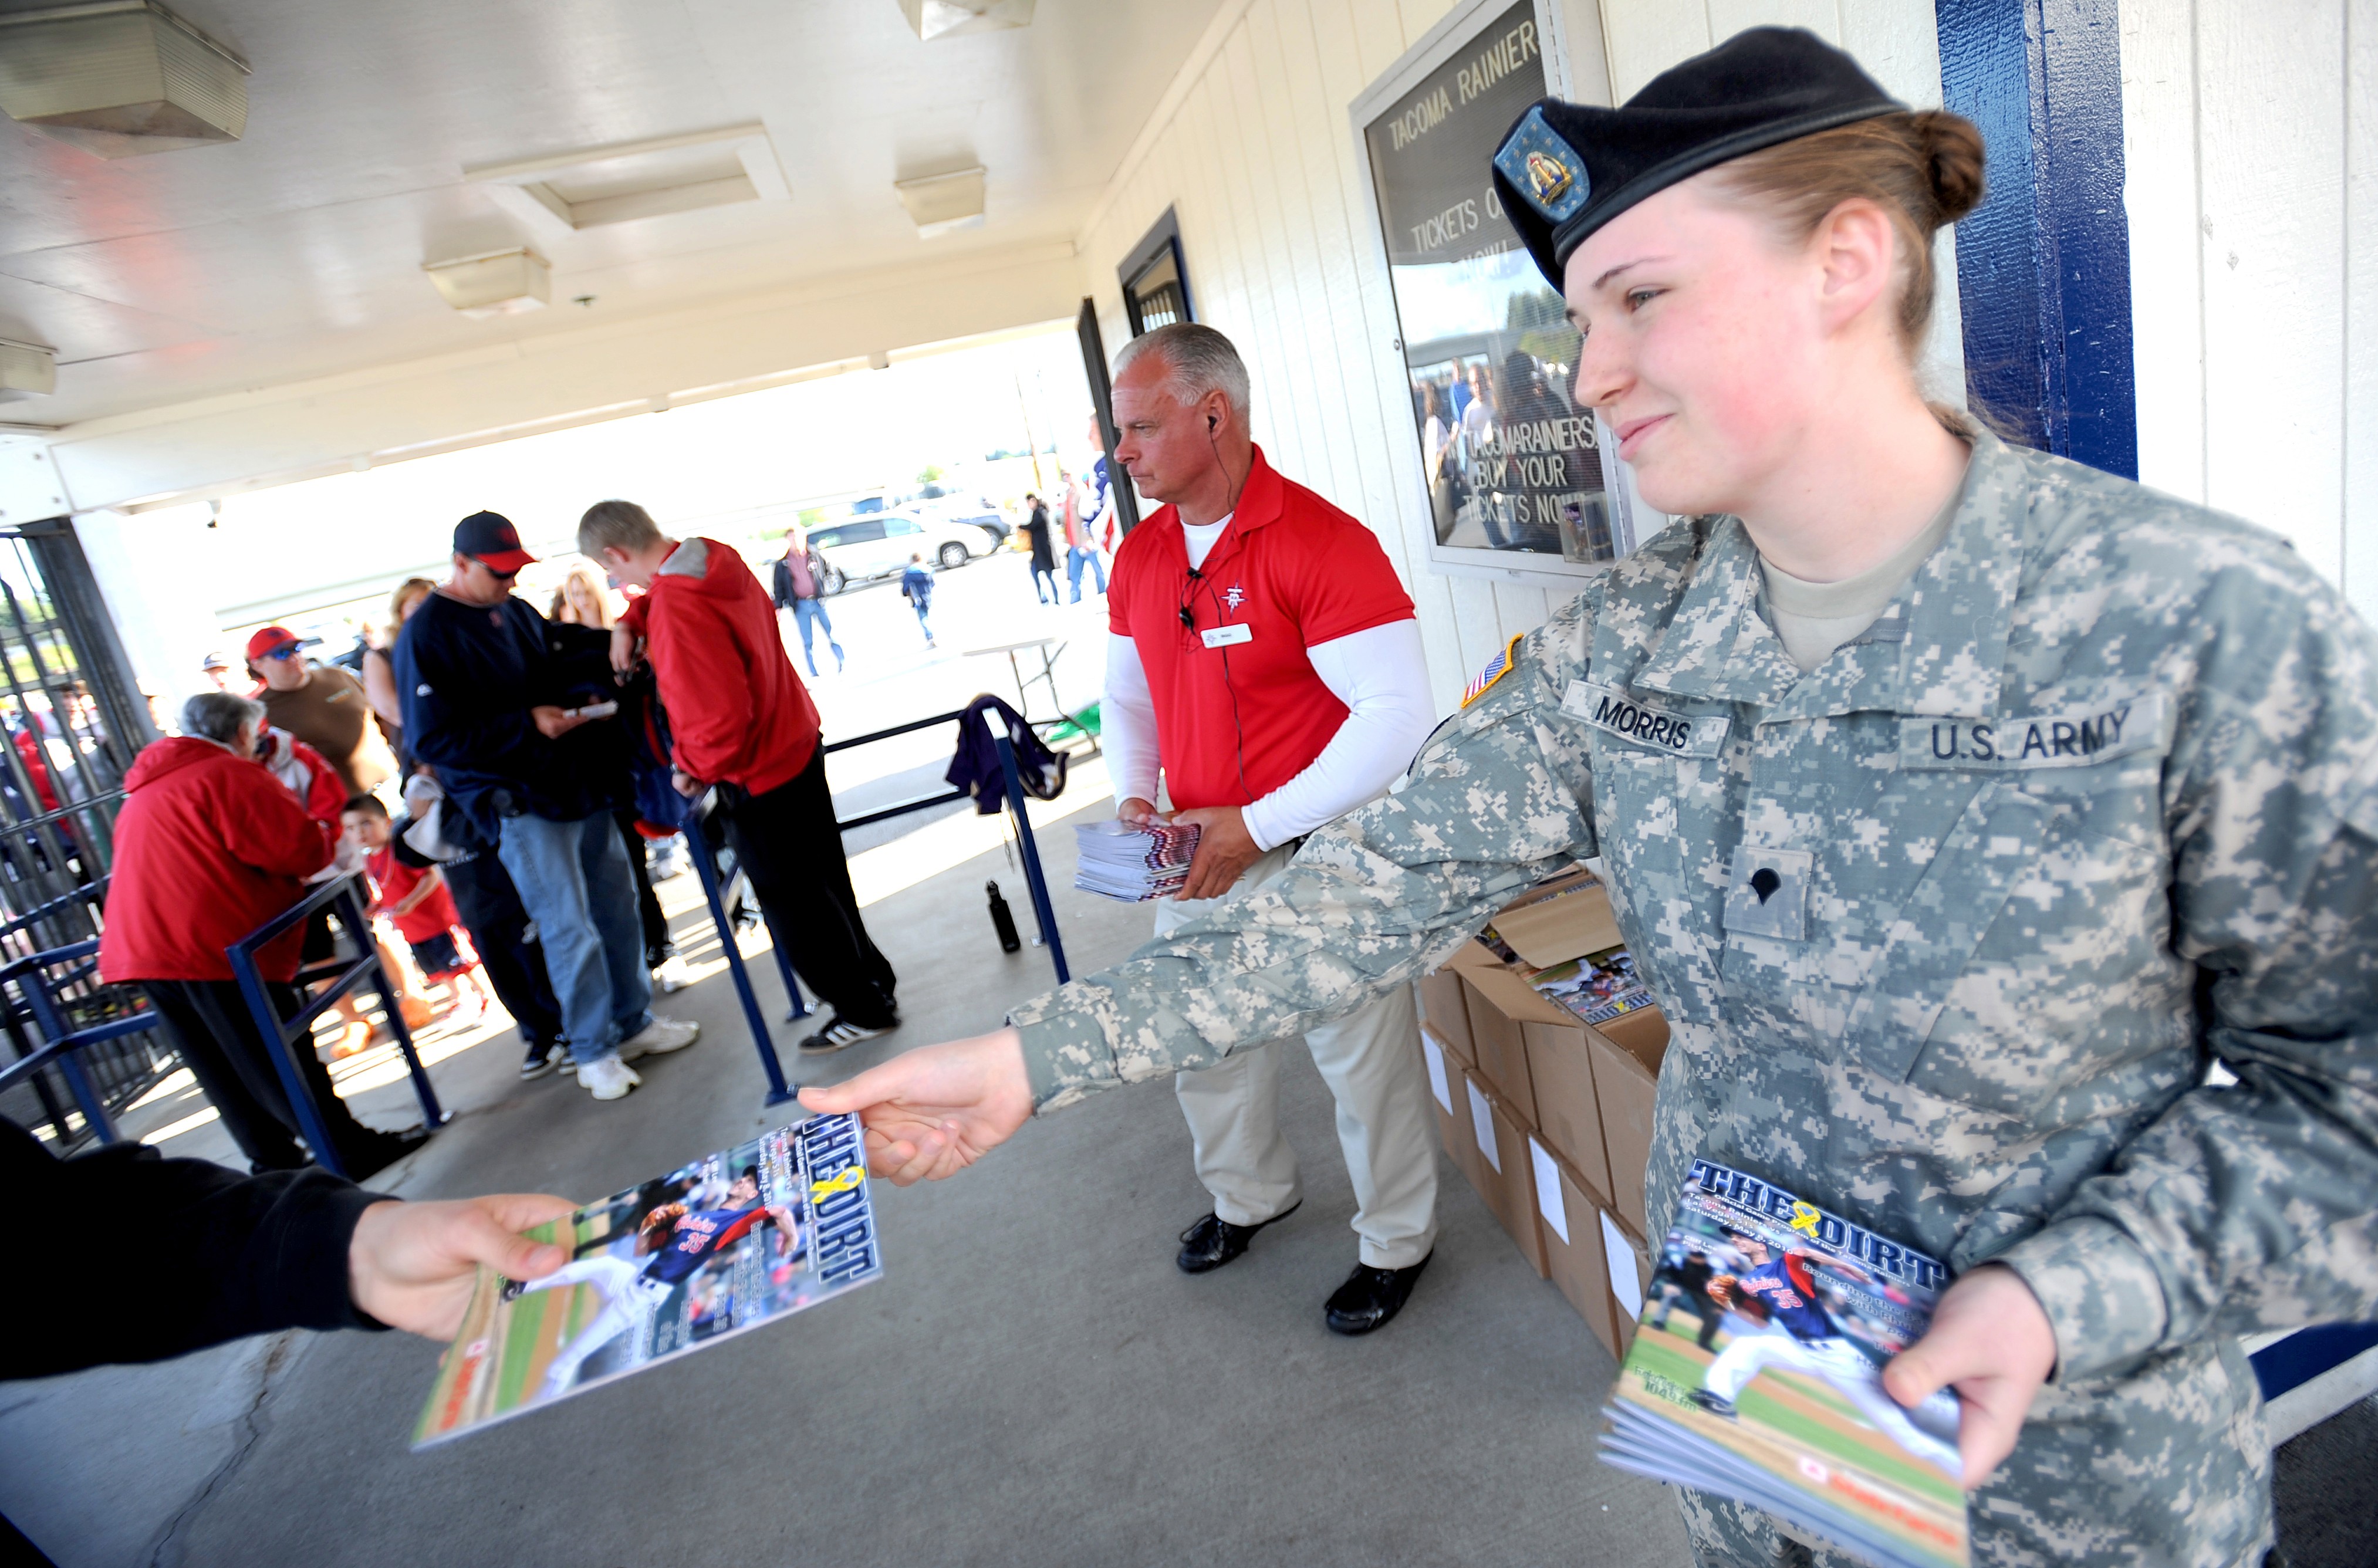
1499,799
2251,1206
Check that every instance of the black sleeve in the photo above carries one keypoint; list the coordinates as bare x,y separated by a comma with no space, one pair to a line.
146,1258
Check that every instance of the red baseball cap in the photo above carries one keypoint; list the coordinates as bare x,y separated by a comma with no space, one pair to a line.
269,638
490,537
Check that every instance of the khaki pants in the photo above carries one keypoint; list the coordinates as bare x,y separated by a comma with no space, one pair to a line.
1371,1061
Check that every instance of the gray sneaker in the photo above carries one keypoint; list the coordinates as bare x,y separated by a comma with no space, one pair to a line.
659,1038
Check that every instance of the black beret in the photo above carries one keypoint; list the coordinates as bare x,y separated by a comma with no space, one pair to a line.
1566,169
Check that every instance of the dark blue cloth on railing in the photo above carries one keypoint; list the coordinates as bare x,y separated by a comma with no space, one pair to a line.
976,767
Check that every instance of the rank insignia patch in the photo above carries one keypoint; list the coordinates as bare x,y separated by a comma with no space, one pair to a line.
1496,668
1544,168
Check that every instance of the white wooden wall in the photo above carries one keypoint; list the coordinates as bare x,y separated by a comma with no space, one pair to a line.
1254,149
2251,139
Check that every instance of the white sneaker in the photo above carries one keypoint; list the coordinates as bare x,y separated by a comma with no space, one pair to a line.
659,1038
608,1079
672,976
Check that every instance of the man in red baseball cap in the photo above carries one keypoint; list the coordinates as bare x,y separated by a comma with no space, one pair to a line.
322,705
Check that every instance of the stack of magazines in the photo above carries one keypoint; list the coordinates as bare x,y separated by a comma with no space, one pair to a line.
1757,1374
1133,861
1597,987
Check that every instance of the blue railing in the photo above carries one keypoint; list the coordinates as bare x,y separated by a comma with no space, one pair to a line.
341,895
31,981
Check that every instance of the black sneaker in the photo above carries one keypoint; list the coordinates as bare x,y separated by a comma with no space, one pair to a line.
543,1058
839,1033
1715,1404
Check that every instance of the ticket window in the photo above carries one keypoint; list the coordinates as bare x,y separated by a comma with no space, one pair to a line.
1155,284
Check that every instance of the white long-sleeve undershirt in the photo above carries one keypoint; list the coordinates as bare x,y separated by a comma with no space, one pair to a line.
1379,674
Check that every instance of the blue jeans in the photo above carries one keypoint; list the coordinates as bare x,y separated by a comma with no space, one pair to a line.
575,881
806,611
1073,559
1044,584
923,605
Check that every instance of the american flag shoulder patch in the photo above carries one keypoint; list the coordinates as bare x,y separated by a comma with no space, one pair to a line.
1496,668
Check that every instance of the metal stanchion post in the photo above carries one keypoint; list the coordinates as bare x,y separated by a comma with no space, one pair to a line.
351,910
1042,912
708,870
276,1046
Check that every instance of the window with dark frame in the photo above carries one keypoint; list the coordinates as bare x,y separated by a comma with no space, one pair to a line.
1155,283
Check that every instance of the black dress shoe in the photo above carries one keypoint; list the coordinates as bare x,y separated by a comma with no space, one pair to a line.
1370,1297
1213,1241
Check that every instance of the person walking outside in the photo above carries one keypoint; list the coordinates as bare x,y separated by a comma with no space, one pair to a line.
742,723
1044,562
917,587
1961,806
322,705
798,574
483,708
1079,551
208,847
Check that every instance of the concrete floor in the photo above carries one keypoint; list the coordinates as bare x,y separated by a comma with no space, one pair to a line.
1033,1382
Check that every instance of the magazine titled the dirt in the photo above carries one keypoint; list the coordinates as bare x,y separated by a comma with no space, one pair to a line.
1757,1372
746,1236
1597,987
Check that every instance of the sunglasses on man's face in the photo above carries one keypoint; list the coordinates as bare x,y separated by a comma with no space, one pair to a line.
286,650
499,576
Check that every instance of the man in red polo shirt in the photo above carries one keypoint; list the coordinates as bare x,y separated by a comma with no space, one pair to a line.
1263,658
740,719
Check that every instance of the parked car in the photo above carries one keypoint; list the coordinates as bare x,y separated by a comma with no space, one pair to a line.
865,548
974,510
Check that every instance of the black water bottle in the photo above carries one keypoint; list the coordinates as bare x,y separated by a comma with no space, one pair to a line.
1002,920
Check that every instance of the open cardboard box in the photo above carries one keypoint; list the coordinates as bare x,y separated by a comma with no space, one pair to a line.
1565,918
1626,1053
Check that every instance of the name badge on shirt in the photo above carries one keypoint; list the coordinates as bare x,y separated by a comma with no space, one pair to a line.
1227,636
1686,735
2071,740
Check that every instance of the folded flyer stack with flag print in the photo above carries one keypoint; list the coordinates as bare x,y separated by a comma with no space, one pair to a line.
1756,1372
1133,861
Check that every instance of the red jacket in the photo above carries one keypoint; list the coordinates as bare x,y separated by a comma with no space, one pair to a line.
737,713
208,847
308,775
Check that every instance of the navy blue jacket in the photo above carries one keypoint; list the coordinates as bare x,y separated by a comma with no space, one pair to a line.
467,675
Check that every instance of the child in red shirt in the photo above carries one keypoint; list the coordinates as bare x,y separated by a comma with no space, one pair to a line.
414,898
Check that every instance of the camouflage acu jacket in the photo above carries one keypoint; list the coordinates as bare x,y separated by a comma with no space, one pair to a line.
1949,932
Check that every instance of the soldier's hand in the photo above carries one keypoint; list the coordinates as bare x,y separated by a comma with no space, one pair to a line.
1991,1342
1225,849
413,1265
934,1111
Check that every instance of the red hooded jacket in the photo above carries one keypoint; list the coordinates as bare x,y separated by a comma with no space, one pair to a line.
208,847
736,710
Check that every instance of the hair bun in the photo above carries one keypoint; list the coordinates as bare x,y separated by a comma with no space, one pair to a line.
1953,159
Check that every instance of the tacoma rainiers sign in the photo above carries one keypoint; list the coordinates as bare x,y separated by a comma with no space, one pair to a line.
1511,462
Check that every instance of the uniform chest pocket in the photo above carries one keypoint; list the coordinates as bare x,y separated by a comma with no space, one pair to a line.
1941,923
1654,818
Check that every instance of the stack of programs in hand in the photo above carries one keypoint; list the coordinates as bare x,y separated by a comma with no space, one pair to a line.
1133,861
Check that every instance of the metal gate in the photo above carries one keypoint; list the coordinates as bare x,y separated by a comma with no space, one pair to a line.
73,722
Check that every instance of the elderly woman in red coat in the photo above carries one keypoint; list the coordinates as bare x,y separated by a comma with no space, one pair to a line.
208,847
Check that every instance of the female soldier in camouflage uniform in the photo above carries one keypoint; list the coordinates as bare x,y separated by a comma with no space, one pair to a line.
1952,896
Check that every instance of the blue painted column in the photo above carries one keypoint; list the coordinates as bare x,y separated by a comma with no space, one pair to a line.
2044,264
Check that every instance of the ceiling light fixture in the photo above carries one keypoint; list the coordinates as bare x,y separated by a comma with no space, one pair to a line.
938,204
950,18
120,76
27,370
625,181
498,282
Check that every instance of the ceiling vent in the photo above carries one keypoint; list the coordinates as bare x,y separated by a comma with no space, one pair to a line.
498,282
619,183
27,370
940,203
951,19
120,76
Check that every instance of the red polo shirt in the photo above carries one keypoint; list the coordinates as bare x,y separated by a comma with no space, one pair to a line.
1235,722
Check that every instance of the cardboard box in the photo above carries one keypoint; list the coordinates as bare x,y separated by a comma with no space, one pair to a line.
1630,1261
1627,1053
1565,918
1506,1175
1569,1117
1503,989
1442,1008
1449,1097
1570,1213
1501,1055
